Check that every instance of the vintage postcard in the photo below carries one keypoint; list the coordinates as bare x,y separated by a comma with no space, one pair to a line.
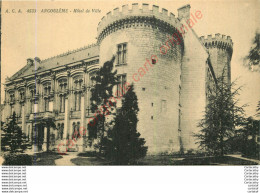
130,83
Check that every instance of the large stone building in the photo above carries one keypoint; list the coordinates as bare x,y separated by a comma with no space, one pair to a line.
170,66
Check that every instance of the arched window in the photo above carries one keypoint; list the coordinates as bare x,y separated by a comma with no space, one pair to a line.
12,97
21,97
77,87
62,91
12,101
62,85
32,96
46,94
21,94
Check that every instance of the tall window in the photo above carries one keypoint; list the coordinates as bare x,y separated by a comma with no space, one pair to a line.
121,79
22,97
62,85
77,86
22,94
12,99
47,91
32,93
121,53
62,90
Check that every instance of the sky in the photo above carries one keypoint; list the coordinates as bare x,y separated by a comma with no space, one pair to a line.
27,35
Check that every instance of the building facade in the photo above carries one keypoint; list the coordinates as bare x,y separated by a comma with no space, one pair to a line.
170,66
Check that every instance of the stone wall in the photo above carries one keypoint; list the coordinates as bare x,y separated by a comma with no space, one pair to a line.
160,83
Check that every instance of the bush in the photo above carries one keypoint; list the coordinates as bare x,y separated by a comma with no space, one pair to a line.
18,159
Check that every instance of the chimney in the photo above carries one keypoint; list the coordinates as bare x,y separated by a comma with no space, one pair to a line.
184,12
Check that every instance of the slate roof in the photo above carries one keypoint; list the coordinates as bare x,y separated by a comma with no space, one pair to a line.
58,61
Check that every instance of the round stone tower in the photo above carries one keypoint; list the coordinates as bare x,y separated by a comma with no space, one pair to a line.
135,35
220,50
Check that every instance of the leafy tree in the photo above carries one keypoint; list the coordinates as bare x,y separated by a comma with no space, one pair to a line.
221,118
124,143
105,80
12,138
247,138
253,58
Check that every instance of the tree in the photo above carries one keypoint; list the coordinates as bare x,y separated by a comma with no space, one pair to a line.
124,145
105,80
12,139
247,137
253,58
221,117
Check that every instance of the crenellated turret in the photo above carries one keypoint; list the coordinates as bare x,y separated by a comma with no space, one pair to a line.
220,49
219,41
135,36
129,17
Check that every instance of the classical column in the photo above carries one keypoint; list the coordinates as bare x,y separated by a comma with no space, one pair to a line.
6,107
23,118
82,122
53,96
44,146
16,103
66,118
87,96
41,100
29,132
67,128
34,138
36,104
83,126
27,100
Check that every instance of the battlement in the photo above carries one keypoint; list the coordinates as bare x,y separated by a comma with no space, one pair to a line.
126,12
217,40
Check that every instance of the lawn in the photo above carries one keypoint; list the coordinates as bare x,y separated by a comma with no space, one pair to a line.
209,160
89,159
45,158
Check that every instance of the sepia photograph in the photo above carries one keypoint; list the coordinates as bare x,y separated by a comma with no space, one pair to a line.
143,83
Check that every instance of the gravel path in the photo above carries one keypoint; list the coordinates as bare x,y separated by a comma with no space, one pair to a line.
66,159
